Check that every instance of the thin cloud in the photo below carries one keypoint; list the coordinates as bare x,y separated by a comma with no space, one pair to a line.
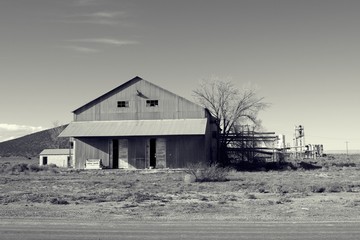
106,14
11,131
103,17
81,49
108,41
86,2
96,21
15,127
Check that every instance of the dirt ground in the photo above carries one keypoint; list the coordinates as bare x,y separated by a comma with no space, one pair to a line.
329,193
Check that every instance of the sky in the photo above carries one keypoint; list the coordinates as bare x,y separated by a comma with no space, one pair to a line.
302,56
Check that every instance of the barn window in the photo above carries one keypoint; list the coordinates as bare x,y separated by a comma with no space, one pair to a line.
152,103
122,104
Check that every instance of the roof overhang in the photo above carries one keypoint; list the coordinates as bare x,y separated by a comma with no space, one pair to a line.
56,152
127,128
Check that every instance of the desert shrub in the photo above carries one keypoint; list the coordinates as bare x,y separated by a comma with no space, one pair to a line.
54,170
283,199
121,198
317,189
36,198
353,203
141,197
58,201
329,187
189,178
212,173
334,188
5,167
35,168
20,167
250,196
25,168
308,166
344,164
5,199
263,166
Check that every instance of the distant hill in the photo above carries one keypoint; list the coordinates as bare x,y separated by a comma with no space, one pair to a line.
350,151
31,145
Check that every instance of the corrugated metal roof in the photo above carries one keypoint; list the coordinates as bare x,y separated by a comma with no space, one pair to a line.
55,152
136,128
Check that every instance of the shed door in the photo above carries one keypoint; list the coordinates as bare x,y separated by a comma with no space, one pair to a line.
161,153
123,153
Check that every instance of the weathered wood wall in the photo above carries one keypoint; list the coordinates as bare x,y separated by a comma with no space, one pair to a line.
91,148
161,153
171,151
124,154
170,105
184,150
137,152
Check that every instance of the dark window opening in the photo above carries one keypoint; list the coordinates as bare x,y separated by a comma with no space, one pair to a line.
152,103
45,160
122,104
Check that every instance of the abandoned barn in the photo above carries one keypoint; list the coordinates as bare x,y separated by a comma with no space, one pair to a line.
141,125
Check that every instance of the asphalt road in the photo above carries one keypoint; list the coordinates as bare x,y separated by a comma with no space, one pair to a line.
62,229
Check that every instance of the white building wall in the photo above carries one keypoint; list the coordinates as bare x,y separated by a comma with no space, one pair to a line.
58,160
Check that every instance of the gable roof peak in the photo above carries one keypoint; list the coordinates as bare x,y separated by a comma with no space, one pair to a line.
137,77
122,86
130,82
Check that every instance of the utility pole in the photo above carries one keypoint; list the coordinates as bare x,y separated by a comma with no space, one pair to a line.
347,150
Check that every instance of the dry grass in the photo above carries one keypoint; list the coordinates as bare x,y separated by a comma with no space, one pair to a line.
213,173
330,192
11,168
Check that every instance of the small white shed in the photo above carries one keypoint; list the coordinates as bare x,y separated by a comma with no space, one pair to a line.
59,157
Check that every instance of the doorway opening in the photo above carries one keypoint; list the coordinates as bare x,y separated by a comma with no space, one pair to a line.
115,153
152,153
45,160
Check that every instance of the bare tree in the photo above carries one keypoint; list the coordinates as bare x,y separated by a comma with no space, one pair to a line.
231,107
55,132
